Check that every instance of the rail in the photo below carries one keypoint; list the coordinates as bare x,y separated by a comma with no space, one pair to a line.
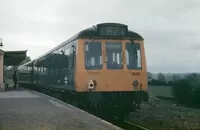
166,98
128,125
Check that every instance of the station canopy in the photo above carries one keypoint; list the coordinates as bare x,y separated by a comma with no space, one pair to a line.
13,58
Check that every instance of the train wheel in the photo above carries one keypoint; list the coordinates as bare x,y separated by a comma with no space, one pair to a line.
124,111
92,108
121,114
107,111
97,108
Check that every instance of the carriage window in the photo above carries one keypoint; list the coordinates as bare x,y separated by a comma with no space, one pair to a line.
93,56
133,56
114,55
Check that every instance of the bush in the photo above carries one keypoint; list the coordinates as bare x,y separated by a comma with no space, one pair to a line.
157,82
181,90
186,93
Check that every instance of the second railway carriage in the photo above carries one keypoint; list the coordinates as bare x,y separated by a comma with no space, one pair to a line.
103,65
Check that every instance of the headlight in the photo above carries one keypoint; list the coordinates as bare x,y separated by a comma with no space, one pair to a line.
91,84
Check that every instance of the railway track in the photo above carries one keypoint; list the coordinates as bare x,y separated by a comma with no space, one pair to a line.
127,125
132,126
166,98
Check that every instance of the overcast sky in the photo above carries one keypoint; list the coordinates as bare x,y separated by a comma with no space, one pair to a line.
171,29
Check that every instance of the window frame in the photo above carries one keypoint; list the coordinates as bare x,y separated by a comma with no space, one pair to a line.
116,58
141,56
87,61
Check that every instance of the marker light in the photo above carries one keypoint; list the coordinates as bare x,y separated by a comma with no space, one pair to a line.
92,84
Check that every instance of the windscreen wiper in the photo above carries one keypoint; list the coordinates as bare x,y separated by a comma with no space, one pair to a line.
91,41
135,50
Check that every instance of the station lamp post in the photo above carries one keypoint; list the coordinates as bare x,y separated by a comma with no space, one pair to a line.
2,85
1,43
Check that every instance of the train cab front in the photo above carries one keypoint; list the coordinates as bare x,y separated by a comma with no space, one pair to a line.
112,67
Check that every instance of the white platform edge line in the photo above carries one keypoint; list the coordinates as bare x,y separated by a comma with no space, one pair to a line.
69,105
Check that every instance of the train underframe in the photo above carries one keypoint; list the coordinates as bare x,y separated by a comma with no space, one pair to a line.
103,104
112,104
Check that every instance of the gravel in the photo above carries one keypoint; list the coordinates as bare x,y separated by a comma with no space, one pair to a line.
161,115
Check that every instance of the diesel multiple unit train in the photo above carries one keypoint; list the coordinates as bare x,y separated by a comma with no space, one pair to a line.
102,67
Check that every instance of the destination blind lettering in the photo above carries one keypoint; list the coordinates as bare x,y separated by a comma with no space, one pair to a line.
113,31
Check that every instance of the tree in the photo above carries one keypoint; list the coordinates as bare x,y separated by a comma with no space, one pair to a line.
150,76
176,77
191,76
161,78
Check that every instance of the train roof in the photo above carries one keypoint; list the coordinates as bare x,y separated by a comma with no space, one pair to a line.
27,63
93,33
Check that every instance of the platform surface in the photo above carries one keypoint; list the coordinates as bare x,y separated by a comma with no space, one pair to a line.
29,110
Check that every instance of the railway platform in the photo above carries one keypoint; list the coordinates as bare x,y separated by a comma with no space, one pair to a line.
23,109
